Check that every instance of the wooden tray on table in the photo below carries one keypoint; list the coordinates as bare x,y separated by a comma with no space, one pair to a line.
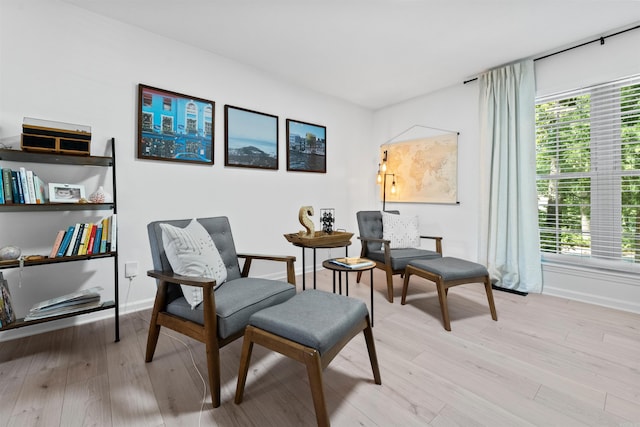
321,239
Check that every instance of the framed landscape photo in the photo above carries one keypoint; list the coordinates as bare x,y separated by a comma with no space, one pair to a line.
174,127
65,193
251,138
306,147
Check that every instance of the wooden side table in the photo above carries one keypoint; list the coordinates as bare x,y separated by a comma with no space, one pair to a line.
339,269
337,239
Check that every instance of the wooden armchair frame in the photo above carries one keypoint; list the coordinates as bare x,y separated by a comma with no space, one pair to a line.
386,265
206,333
370,226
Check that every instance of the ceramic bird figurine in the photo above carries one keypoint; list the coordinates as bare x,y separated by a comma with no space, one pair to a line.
303,216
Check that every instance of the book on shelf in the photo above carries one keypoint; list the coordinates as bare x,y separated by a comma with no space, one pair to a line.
65,242
85,247
1,188
40,188
7,315
98,239
91,240
21,186
25,188
76,243
353,262
113,228
31,187
16,187
56,243
6,181
69,303
105,233
82,247
74,237
85,239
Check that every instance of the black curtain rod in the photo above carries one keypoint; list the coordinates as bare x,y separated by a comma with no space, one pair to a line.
600,39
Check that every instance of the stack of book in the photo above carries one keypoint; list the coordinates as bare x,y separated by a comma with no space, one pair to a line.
21,187
353,262
76,301
86,239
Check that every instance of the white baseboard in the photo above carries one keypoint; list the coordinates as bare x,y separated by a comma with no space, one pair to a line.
616,303
601,287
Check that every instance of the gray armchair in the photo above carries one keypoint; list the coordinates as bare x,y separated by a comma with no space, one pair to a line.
224,313
375,248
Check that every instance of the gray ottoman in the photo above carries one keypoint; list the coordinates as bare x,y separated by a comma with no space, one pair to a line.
447,272
312,327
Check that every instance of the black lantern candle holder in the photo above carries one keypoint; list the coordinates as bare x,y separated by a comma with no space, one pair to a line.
327,219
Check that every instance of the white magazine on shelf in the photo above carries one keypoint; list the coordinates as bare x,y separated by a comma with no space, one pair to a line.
73,299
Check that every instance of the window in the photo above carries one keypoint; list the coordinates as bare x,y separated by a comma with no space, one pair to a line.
208,120
191,114
588,175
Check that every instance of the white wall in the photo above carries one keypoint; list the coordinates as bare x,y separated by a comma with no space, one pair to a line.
456,108
453,109
59,62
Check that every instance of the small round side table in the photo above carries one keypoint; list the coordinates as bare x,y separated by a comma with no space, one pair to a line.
339,269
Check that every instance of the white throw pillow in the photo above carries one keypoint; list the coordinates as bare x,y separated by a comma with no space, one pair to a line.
192,252
401,230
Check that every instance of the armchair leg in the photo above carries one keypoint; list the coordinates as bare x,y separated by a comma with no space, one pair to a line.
405,285
152,340
213,365
245,359
211,344
363,254
389,284
371,348
492,305
154,327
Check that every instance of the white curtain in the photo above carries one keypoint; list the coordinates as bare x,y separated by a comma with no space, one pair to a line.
507,132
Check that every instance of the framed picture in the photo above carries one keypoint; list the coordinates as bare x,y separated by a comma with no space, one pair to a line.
65,193
251,138
174,127
306,147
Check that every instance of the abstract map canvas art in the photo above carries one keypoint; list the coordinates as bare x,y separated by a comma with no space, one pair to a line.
425,170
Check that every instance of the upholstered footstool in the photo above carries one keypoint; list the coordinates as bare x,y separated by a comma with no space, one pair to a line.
447,272
311,327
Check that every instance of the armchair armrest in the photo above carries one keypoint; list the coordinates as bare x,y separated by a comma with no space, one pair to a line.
385,243
365,240
169,277
371,239
289,259
166,277
438,240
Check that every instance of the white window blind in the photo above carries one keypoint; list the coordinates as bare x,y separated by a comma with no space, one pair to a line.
588,174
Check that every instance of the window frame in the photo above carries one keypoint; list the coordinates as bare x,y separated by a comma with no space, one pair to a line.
601,252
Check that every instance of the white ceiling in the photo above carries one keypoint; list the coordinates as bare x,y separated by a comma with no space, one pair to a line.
374,53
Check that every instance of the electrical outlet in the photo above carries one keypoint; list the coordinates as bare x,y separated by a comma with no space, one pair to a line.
131,269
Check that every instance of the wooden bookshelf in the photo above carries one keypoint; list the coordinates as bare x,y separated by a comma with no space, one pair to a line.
64,160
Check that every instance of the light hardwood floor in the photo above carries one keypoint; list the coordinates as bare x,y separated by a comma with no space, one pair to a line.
546,362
